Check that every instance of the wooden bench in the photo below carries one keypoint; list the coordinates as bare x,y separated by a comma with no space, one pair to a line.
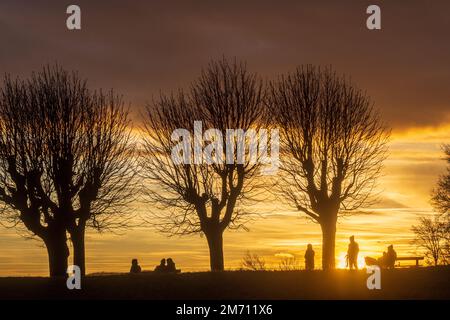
410,259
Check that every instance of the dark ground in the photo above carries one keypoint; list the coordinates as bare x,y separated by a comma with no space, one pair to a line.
412,283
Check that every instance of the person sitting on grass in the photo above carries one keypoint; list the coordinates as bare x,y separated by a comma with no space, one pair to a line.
352,254
382,260
391,256
135,267
162,266
309,258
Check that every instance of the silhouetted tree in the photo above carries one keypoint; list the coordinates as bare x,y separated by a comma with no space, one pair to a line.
432,236
197,197
332,146
441,195
64,160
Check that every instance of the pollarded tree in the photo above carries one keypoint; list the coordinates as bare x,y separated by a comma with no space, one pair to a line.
65,152
204,194
333,144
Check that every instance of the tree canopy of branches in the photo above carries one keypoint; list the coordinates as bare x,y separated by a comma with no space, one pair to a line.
201,197
333,144
441,194
432,235
64,160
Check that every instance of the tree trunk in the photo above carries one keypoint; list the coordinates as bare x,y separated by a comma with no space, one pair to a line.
79,258
328,244
215,243
58,252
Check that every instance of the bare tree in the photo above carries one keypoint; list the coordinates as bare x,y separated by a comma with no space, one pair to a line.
441,195
432,236
65,160
197,196
332,145
253,262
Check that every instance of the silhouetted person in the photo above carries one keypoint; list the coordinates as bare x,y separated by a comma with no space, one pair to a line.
372,261
162,266
135,267
391,256
309,257
352,254
170,265
382,260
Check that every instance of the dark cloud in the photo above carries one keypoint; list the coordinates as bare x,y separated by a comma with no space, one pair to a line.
142,47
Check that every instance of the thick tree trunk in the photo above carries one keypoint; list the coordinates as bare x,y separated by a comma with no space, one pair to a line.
215,243
58,252
328,244
79,258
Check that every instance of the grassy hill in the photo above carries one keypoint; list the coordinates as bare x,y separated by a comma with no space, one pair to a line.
412,283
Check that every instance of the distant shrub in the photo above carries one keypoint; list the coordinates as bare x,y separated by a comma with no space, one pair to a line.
289,264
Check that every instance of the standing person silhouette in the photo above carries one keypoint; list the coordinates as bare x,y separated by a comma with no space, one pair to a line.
309,257
352,254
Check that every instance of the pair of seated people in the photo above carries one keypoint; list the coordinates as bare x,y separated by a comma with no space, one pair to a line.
167,266
387,261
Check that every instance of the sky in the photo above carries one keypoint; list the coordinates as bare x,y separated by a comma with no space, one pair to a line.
141,48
